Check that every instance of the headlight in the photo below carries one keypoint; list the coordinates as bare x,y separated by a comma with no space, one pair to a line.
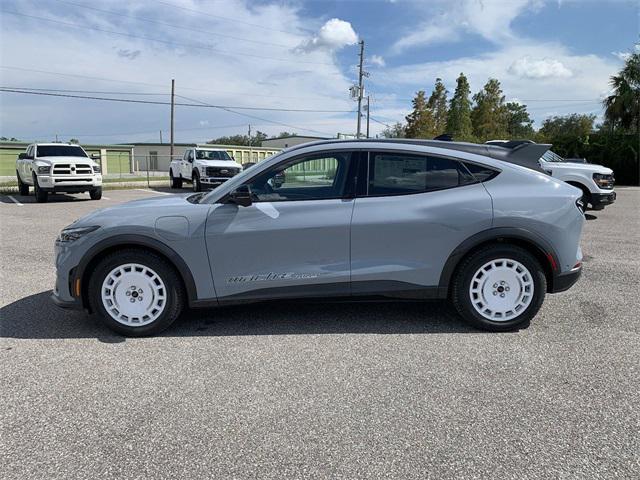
603,180
42,170
97,169
74,233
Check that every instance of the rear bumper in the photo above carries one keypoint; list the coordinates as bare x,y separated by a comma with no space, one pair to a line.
565,281
600,200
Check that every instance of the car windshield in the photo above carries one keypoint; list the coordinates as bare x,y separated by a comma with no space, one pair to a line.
212,155
550,156
60,151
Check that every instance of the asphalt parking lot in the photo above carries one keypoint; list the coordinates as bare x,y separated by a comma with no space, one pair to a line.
285,390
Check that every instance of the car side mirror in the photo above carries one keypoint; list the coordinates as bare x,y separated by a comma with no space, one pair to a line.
23,156
241,196
95,156
190,160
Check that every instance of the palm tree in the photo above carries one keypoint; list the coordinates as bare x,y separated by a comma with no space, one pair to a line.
622,109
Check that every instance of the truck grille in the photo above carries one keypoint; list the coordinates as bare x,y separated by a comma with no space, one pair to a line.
222,172
72,169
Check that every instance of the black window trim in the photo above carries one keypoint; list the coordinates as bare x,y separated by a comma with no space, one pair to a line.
367,153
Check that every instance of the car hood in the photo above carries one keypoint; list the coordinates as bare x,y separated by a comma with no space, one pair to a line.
146,207
56,160
583,167
219,163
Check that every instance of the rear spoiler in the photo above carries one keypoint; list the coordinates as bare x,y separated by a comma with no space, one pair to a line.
525,154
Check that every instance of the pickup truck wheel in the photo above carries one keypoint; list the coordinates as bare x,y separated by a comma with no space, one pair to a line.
499,288
41,196
175,182
96,193
23,188
136,293
195,181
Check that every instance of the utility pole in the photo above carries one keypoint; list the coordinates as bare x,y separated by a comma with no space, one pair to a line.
160,136
173,107
360,77
368,108
250,146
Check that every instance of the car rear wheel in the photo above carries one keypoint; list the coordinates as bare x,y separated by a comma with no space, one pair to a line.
176,182
136,293
23,188
499,288
96,193
41,195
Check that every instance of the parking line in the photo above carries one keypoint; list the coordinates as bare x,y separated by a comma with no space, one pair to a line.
15,201
151,191
105,198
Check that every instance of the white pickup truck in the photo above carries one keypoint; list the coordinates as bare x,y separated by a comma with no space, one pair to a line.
203,167
58,168
595,181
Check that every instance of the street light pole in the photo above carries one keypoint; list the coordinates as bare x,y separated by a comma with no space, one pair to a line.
360,76
368,108
173,107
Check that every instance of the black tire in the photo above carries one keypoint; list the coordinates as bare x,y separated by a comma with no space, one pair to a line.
175,296
195,182
461,296
176,182
96,193
23,188
41,195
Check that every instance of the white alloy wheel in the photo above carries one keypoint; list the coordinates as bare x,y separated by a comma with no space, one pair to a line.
133,294
501,289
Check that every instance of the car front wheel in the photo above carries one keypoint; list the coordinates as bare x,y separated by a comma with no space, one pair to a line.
499,288
136,293
96,193
41,195
195,182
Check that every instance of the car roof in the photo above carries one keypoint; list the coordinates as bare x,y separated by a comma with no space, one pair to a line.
524,153
56,144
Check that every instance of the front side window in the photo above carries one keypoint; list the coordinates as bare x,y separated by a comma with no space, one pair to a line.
60,151
317,177
399,174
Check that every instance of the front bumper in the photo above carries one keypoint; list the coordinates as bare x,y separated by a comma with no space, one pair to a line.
564,281
69,184
600,200
213,180
74,304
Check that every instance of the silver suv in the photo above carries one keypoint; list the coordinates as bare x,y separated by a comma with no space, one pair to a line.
397,219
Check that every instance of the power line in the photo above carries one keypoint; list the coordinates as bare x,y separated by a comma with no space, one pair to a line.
259,118
86,91
166,42
172,25
104,79
154,102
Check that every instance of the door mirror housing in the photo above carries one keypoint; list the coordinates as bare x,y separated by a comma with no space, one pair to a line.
23,156
241,196
95,156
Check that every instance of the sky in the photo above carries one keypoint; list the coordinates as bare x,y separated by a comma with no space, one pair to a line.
288,65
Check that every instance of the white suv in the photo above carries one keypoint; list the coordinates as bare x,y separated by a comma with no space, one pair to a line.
203,167
595,181
58,168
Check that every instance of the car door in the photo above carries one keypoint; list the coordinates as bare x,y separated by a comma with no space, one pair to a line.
293,240
412,210
27,162
187,161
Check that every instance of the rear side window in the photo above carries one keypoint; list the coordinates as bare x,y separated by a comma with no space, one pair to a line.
480,172
398,174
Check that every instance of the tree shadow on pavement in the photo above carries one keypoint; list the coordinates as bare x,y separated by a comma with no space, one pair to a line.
36,317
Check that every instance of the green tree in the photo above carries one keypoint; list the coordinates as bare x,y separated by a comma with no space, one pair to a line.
575,125
255,141
74,140
437,105
459,117
489,116
519,124
397,130
622,109
420,120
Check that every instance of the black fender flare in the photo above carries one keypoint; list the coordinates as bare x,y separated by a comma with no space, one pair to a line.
498,234
130,240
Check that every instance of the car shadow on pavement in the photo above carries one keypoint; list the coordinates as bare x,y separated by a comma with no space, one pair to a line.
57,198
36,317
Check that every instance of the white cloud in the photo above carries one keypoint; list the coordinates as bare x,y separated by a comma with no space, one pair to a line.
528,67
256,73
333,35
621,55
448,20
377,60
